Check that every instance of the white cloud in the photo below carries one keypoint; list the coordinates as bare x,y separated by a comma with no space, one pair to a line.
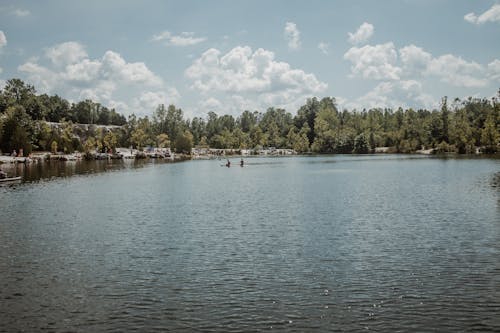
414,59
491,15
363,34
84,71
241,70
377,62
470,17
110,80
210,104
324,47
381,62
3,39
113,66
292,35
251,79
456,71
184,39
66,53
394,94
149,100
494,70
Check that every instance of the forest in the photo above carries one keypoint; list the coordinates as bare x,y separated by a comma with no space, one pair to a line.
38,122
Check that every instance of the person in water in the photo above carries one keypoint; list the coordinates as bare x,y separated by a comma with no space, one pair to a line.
241,162
228,164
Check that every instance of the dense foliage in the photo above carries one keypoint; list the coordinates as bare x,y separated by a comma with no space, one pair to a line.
51,123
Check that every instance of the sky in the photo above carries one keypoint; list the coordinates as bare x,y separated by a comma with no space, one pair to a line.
228,56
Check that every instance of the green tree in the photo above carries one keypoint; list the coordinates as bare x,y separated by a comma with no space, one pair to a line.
184,142
53,147
361,144
461,133
307,114
110,141
490,136
162,140
17,130
138,138
444,116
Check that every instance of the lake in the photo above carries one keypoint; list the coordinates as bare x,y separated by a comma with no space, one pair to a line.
292,244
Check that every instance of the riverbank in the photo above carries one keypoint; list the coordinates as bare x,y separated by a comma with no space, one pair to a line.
202,153
118,155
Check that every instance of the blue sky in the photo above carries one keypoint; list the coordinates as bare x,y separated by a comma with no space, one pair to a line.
230,56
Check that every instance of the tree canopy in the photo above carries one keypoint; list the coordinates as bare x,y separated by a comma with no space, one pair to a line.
43,122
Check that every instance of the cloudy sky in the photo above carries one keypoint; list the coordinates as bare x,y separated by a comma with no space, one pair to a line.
228,56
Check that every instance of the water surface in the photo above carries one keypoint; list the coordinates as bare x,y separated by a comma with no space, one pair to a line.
336,243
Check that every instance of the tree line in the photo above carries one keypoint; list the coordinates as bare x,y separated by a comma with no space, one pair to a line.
42,122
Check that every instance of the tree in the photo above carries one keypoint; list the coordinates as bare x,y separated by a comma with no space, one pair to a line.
307,114
247,121
16,92
326,125
490,136
174,122
43,135
66,140
361,144
461,133
17,130
138,138
184,142
298,141
162,140
444,116
110,140
53,147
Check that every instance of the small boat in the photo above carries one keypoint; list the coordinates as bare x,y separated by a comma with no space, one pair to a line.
10,180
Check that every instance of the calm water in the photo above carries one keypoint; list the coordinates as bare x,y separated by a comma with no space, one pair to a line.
340,243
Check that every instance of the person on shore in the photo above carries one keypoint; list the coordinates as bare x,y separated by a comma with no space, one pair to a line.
14,153
242,162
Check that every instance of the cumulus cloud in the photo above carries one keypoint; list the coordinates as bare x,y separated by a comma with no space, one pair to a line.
242,70
393,94
3,39
242,75
494,70
363,34
324,47
66,53
110,80
292,35
456,71
149,100
377,62
414,58
210,104
381,62
402,71
491,15
184,39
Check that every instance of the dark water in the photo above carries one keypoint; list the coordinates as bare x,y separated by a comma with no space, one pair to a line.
343,243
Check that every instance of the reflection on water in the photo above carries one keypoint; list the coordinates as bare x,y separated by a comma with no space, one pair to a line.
295,244
47,170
